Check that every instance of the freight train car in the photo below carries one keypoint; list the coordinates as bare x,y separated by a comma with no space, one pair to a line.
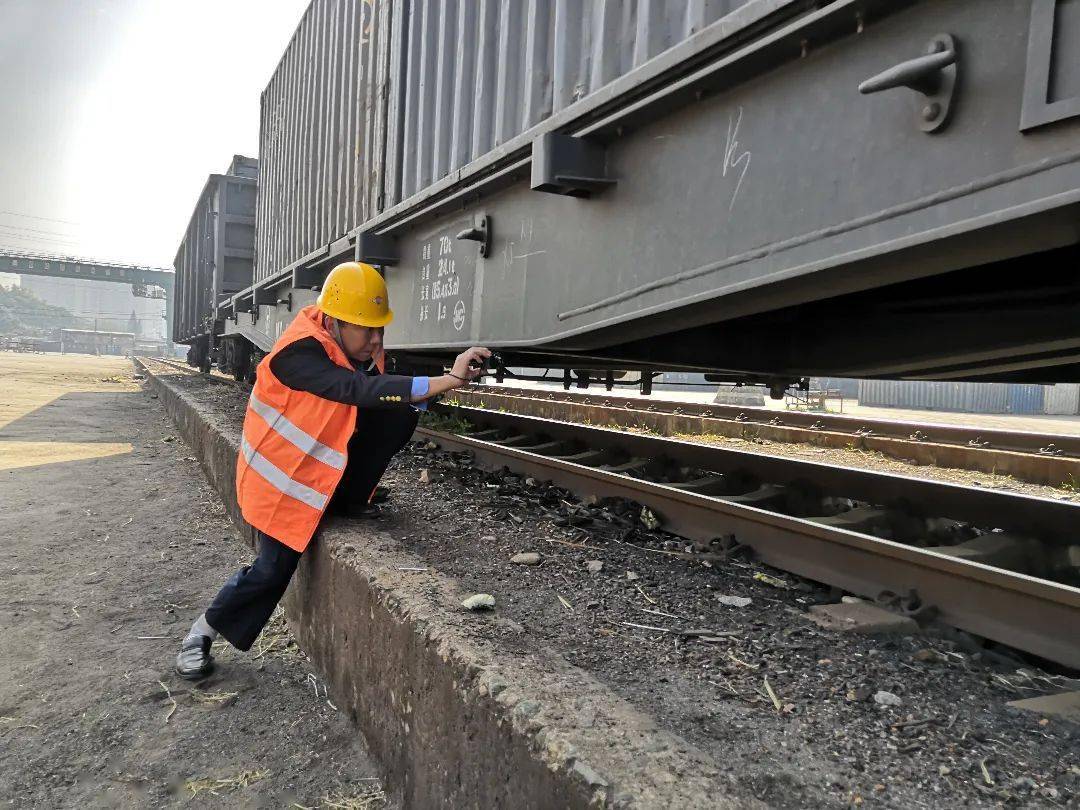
752,189
215,260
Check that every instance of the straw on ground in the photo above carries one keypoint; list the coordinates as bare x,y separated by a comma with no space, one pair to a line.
229,783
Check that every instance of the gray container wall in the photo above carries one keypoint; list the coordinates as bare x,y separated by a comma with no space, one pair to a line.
243,167
683,381
1025,398
1062,399
216,257
846,386
374,101
935,396
311,137
469,75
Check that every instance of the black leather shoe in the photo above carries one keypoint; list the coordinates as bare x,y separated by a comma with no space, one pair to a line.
358,511
194,660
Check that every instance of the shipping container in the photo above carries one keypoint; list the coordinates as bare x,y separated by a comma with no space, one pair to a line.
715,174
312,137
844,386
241,166
683,381
1025,398
688,195
215,257
919,395
374,101
475,74
1062,399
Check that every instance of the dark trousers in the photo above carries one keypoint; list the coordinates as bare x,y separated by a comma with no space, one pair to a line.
245,603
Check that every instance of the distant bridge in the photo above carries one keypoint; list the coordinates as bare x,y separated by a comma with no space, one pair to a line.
146,282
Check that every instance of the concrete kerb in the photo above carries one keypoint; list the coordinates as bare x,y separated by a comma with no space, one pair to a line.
457,718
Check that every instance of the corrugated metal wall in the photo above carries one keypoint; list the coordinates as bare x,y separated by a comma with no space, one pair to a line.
935,396
472,74
847,386
376,99
215,258
1025,398
311,135
241,166
1062,399
959,396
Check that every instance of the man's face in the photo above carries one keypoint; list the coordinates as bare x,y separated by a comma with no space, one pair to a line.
360,342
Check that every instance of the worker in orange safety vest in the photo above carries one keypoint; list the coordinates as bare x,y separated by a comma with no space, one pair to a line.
322,423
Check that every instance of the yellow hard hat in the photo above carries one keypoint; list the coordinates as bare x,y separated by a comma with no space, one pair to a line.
356,293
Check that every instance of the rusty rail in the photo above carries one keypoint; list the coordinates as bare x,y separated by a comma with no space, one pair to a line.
1038,458
1022,611
176,365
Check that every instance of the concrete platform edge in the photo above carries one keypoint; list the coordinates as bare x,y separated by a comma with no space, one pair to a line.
453,720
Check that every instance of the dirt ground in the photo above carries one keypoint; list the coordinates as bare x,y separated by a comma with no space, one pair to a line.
941,736
110,543
829,743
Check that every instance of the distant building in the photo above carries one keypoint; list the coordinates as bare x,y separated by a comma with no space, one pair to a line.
111,304
87,341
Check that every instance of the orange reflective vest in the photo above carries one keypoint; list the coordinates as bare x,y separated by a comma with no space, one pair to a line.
295,444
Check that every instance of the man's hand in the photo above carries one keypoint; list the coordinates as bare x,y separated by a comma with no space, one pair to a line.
468,365
462,373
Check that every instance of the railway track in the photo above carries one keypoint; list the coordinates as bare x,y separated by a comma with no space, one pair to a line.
1002,566
176,365
1038,458
1005,567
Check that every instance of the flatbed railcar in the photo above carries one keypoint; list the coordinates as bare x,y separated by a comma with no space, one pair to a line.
756,190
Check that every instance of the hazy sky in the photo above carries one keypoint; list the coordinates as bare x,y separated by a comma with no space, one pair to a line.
113,112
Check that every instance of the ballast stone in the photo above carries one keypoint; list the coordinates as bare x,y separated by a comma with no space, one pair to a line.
479,601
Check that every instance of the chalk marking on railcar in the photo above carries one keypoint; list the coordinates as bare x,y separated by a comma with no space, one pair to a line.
730,148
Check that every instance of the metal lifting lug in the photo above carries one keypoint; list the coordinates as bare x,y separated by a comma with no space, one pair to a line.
933,76
480,232
564,164
376,248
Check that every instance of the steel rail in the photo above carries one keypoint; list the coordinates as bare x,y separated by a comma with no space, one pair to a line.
1017,441
931,445
1021,611
177,365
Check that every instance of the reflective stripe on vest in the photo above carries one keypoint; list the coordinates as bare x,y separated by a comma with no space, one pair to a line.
296,444
280,480
296,436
